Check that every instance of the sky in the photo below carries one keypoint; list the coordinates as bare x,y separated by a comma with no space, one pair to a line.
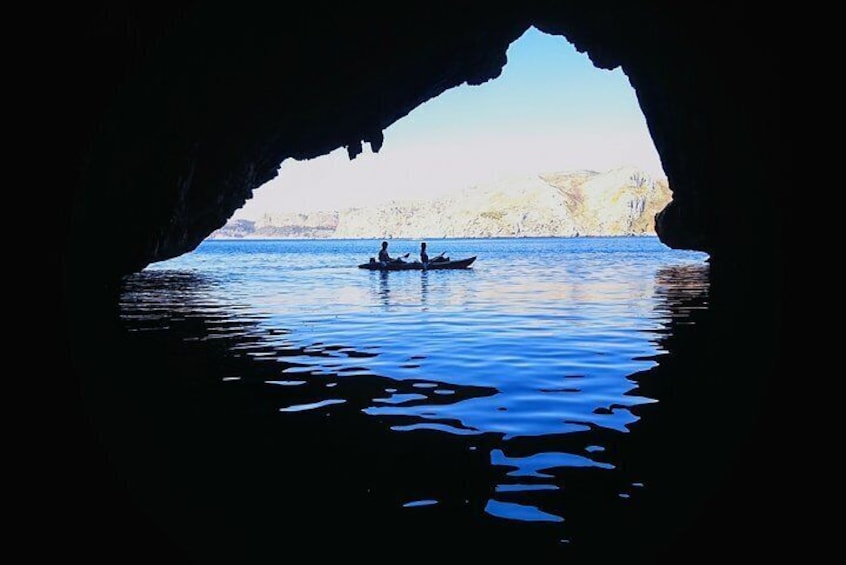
550,110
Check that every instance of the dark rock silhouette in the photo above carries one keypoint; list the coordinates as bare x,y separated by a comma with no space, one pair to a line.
173,115
184,113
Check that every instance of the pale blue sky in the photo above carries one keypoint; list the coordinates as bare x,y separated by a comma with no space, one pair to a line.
550,110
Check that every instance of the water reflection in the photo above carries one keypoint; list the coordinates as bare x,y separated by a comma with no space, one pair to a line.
424,288
403,284
384,290
682,290
474,436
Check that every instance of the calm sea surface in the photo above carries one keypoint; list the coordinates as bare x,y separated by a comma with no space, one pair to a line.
528,358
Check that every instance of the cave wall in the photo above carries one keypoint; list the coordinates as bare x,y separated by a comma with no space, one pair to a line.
182,112
167,117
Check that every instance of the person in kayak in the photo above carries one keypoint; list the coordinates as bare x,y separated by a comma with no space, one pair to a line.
384,257
424,255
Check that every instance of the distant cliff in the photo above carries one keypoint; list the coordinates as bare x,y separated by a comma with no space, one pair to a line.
622,201
306,225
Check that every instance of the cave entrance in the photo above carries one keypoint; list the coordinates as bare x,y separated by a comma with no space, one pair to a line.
478,394
549,124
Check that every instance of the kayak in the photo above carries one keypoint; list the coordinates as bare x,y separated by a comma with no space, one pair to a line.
375,265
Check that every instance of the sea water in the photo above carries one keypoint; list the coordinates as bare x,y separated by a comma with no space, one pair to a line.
528,362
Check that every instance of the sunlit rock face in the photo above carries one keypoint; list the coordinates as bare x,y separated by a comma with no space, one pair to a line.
190,110
619,202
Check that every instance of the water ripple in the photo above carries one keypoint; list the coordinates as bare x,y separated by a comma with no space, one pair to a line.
532,349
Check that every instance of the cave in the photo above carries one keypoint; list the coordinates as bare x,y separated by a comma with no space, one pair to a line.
196,115
176,114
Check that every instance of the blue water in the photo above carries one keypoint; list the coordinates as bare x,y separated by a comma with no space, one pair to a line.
534,344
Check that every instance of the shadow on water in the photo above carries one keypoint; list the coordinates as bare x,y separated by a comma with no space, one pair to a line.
219,457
